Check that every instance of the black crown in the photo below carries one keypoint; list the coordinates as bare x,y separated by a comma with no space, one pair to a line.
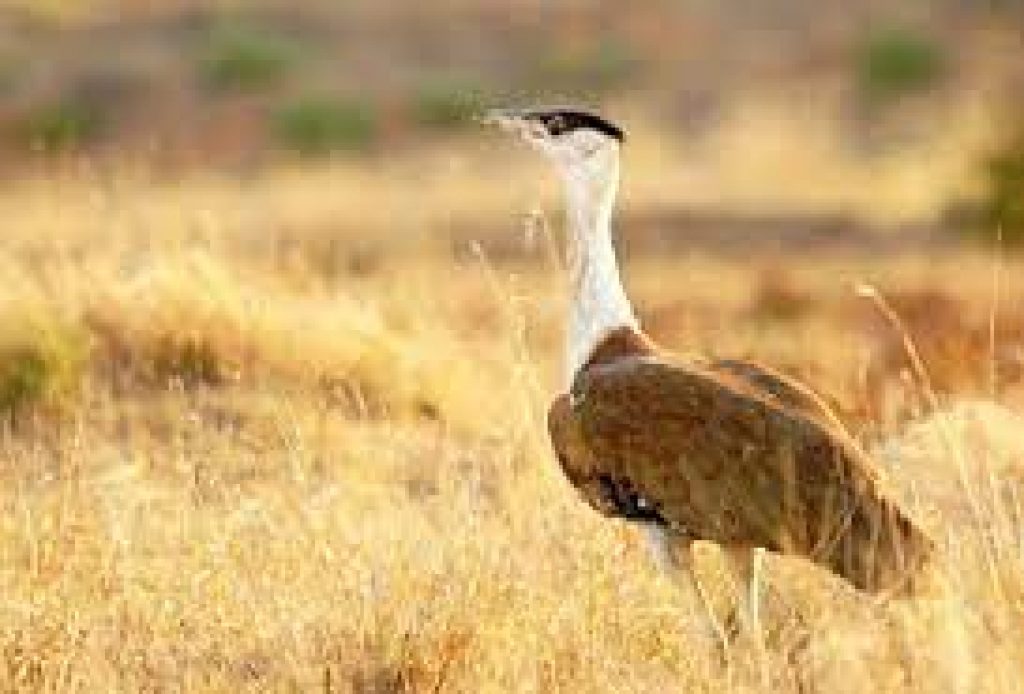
562,120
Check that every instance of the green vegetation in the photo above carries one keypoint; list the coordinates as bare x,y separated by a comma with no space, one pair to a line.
1004,201
316,126
8,74
39,364
893,63
247,59
62,125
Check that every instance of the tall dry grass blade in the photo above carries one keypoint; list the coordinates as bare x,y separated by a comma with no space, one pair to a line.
997,503
538,224
982,526
523,370
1002,510
993,315
870,292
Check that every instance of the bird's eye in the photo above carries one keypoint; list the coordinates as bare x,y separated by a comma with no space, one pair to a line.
555,124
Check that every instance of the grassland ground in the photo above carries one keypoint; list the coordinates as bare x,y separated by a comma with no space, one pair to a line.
286,432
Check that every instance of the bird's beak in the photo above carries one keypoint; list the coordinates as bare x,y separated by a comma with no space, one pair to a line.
504,118
514,121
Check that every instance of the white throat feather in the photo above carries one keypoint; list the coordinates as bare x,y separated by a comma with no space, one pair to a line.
598,301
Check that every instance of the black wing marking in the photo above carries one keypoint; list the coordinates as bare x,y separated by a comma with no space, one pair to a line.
628,503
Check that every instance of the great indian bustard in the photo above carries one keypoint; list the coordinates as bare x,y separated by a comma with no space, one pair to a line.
722,451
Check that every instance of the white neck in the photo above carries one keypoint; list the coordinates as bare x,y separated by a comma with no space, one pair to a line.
598,300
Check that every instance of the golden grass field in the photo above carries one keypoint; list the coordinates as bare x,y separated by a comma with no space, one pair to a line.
285,432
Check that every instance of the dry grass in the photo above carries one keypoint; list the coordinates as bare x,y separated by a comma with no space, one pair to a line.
304,450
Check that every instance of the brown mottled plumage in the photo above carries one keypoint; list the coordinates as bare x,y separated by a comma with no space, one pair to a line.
732,453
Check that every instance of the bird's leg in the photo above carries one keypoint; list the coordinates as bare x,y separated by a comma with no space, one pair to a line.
746,566
761,609
673,556
756,575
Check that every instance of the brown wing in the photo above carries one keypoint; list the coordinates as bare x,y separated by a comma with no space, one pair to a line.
610,496
731,465
788,391
573,454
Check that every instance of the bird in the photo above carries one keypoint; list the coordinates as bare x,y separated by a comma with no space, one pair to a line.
694,448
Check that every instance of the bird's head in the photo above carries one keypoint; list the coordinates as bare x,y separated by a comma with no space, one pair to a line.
583,146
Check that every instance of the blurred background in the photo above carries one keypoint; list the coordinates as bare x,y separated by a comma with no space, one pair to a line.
339,139
907,113
280,322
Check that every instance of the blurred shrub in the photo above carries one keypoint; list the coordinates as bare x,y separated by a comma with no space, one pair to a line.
246,59
8,74
605,65
316,126
892,63
1003,204
778,297
62,125
108,85
191,360
446,105
39,365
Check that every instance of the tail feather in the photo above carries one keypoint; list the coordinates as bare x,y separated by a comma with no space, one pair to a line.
881,551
